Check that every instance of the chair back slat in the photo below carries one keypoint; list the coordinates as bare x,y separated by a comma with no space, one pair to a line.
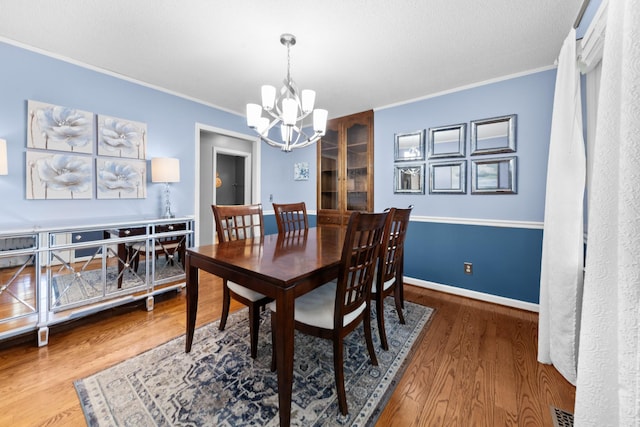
238,222
391,253
291,216
359,257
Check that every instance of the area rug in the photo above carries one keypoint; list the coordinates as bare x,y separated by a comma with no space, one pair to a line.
71,287
218,384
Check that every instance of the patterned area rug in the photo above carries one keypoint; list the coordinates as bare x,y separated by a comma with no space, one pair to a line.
218,384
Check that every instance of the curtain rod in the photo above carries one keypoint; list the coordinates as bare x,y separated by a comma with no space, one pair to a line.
583,9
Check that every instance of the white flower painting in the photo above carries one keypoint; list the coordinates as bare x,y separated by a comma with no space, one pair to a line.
58,176
121,138
301,171
53,127
121,178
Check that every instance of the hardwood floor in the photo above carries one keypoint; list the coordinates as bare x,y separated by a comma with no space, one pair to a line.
475,365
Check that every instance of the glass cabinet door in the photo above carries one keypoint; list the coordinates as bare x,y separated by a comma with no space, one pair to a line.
329,170
357,138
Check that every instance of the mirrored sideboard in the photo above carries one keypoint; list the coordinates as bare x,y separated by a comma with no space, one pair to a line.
59,272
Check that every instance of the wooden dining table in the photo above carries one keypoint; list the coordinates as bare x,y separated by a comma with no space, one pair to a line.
281,266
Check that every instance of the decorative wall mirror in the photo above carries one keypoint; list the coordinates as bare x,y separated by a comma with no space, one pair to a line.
409,146
493,176
448,177
409,179
447,141
496,135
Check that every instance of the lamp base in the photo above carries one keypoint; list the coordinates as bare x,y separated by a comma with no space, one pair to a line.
167,203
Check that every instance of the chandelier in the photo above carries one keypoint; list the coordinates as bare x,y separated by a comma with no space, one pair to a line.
289,109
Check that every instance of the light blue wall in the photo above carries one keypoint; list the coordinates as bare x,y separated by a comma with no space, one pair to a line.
277,173
506,258
170,120
529,97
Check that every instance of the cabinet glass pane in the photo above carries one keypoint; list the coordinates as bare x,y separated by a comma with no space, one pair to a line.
18,295
329,170
357,172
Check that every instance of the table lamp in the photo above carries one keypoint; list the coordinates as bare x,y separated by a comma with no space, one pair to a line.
165,169
3,158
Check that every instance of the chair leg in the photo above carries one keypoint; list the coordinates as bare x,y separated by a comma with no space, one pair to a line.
397,297
338,368
380,314
226,302
254,326
368,338
273,341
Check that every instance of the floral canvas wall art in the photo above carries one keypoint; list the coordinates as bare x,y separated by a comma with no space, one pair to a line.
53,127
58,176
121,138
121,178
301,171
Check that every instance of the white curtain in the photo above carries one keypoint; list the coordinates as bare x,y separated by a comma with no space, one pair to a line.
561,271
608,386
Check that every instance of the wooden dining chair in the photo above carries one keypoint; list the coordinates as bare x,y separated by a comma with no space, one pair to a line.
239,222
291,216
335,309
388,279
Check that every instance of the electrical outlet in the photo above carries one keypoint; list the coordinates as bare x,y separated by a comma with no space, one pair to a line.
468,268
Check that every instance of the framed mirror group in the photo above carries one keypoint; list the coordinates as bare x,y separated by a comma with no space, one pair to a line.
446,152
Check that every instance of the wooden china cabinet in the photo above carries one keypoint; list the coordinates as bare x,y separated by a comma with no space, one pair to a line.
345,168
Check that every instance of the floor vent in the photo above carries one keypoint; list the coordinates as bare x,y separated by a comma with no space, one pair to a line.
561,418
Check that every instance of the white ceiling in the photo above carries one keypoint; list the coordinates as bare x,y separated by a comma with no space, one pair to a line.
356,54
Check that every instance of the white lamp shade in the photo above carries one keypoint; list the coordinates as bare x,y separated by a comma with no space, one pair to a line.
320,121
289,111
286,132
308,100
3,158
268,97
165,169
254,111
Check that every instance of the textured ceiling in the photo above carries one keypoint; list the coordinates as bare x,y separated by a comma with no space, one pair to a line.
357,54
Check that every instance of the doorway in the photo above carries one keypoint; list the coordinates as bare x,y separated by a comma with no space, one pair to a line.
230,179
232,158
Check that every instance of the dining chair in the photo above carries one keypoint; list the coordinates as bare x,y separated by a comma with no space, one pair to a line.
291,216
388,279
239,222
335,309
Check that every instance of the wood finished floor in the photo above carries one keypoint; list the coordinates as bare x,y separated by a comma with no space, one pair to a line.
474,366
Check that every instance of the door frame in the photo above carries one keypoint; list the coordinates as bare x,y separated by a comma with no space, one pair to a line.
254,164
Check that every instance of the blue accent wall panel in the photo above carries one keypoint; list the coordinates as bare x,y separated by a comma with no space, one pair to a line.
506,261
270,226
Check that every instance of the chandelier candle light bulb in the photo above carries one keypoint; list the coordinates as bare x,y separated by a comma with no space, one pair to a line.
289,108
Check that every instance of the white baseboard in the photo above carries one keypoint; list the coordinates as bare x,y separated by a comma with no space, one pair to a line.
523,305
